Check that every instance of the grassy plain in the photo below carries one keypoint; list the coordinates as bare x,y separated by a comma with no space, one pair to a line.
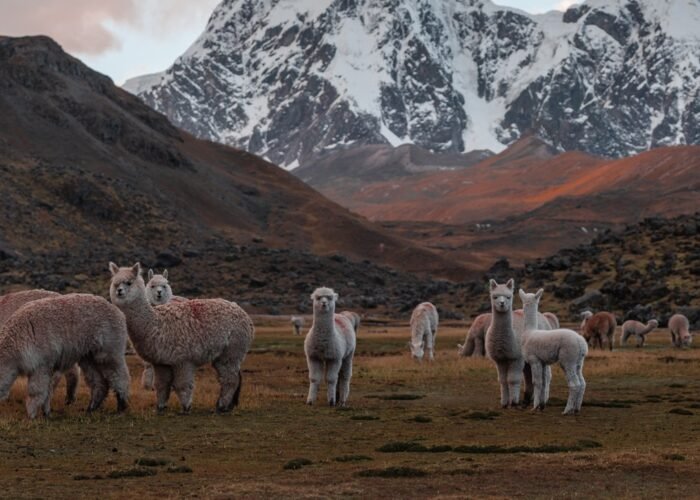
431,430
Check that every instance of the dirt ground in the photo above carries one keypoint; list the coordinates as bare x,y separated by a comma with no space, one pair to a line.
411,430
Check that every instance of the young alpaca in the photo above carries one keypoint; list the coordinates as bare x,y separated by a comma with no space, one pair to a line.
596,326
542,348
639,330
679,326
354,319
158,292
503,343
50,335
12,302
329,345
474,343
178,337
297,324
424,325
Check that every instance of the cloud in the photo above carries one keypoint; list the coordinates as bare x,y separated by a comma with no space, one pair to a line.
565,4
86,26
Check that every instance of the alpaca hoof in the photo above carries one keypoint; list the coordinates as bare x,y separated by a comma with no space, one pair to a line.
70,401
222,410
122,405
331,403
160,410
309,402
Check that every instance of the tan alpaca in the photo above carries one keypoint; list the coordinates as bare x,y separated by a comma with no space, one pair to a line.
639,330
679,326
599,326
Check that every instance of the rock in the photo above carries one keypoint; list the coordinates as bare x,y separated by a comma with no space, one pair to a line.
593,299
167,260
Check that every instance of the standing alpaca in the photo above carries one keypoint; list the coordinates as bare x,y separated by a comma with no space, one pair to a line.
553,320
503,343
424,325
474,343
12,302
542,348
178,337
297,324
354,319
596,326
639,330
51,335
679,326
329,347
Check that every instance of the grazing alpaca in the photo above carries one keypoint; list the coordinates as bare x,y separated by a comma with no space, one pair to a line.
679,326
297,324
503,343
330,344
354,319
542,348
424,325
474,343
12,302
639,330
597,326
50,335
179,337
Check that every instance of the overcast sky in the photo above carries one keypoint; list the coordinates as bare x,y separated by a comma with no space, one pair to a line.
126,38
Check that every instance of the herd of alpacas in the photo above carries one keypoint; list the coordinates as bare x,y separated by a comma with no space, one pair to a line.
45,336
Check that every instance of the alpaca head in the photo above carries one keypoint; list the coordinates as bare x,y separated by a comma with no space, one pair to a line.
127,284
653,323
586,315
530,300
324,300
501,296
158,288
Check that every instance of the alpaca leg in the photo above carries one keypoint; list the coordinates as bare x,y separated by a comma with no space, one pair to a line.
502,368
97,384
573,382
611,335
183,383
229,374
332,371
116,372
147,376
315,377
430,345
527,374
72,376
164,383
479,349
582,385
344,381
537,381
38,391
515,376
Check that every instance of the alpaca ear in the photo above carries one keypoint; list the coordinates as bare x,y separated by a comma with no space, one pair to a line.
150,274
539,293
521,292
114,269
136,269
492,284
165,274
510,284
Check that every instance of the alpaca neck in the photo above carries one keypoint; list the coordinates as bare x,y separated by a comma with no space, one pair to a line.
530,311
140,318
323,323
502,322
647,329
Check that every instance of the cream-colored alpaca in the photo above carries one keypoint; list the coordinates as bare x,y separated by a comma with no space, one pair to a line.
639,330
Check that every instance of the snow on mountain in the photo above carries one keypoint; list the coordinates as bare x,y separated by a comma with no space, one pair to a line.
292,79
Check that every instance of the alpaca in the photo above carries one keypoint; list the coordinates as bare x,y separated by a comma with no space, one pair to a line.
178,337
553,320
424,325
474,342
639,330
354,319
297,324
158,292
542,348
679,326
53,334
596,326
503,343
329,346
12,302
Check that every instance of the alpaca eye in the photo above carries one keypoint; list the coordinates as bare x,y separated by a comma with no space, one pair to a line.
128,283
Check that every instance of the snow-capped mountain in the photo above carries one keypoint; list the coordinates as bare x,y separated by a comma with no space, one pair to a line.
291,79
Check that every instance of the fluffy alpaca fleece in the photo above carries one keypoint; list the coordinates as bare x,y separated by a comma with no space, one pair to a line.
542,348
329,345
424,325
597,326
639,330
354,319
679,326
297,324
552,319
178,337
12,302
53,334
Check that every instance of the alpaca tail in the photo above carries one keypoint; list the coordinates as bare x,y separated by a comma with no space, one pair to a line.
237,394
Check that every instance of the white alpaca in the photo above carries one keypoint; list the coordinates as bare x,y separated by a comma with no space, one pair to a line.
424,325
679,326
179,337
639,330
542,348
329,347
51,335
297,324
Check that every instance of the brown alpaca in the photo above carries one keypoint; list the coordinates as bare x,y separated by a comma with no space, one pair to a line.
598,326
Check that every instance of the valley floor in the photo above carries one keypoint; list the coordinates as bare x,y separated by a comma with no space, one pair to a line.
637,435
